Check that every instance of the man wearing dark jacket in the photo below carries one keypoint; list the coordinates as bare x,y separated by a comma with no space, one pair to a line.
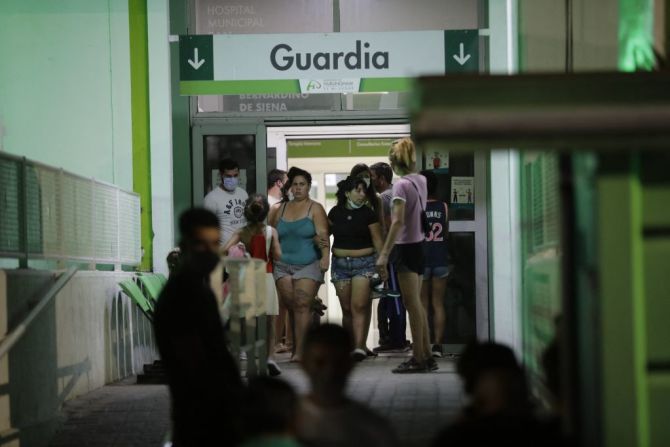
205,384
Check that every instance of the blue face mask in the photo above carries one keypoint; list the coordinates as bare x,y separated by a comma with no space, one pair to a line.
354,205
230,183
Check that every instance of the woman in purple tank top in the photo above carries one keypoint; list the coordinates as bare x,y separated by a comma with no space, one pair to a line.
405,236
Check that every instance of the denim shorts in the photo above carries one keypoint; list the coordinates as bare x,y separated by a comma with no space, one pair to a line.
435,272
345,268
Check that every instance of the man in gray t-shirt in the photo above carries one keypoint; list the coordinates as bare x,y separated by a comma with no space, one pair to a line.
227,200
391,314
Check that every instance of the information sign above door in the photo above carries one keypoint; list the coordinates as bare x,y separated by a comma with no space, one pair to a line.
226,64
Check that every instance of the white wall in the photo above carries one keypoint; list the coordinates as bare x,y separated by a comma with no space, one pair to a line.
65,85
505,249
160,132
89,335
504,228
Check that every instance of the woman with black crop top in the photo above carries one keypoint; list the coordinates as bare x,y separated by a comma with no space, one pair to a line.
357,238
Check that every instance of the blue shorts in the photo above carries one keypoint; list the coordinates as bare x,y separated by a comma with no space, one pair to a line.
435,272
345,268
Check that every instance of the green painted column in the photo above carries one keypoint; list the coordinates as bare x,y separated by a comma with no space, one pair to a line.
182,176
622,302
139,89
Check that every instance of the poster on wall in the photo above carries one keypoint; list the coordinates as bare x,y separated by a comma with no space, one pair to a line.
438,160
462,192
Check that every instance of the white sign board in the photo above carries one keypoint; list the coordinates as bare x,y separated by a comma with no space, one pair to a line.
341,56
462,190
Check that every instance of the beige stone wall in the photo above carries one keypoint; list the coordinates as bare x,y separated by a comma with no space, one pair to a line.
542,35
7,437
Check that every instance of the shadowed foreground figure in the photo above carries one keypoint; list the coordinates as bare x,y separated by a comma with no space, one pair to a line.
205,385
270,411
500,412
327,416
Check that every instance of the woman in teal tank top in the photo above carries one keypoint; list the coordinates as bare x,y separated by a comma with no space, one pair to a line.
297,238
299,272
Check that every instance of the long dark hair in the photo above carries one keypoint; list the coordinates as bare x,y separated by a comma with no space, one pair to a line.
292,174
370,192
344,186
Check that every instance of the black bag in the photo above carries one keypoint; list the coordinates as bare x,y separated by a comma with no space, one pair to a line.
425,225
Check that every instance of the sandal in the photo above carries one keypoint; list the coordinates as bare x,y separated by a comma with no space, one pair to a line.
282,348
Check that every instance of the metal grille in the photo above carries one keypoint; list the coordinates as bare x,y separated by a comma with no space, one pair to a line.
129,223
105,224
537,206
542,222
551,199
50,213
541,299
33,211
50,194
9,205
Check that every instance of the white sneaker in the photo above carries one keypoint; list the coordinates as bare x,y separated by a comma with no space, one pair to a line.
273,368
359,355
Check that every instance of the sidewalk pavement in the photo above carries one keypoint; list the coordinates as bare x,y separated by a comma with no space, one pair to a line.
128,415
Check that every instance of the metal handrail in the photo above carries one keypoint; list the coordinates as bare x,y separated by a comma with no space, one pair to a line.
15,335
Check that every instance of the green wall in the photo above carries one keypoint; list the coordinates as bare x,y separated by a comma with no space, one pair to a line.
65,98
65,85
181,121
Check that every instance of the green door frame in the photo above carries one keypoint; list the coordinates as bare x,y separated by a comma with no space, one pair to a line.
245,127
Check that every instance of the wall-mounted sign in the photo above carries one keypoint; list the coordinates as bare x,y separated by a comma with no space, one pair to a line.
280,102
462,192
339,147
437,160
229,64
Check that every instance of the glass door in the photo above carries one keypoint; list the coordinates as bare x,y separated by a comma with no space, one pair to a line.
243,142
462,185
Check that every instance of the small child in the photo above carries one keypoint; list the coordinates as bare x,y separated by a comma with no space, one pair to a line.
261,242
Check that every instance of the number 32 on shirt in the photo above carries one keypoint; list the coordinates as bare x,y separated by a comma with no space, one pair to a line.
435,234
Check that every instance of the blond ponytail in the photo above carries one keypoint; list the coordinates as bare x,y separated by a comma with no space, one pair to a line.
403,154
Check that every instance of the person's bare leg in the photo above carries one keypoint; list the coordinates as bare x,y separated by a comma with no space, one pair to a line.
409,288
426,328
360,310
285,292
289,330
343,291
270,335
280,322
368,320
305,291
439,317
425,296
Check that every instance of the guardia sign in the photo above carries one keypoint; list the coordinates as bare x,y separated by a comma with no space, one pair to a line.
226,64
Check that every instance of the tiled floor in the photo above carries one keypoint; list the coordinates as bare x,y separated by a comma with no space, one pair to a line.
128,415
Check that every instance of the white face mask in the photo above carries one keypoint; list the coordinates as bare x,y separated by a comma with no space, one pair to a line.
354,205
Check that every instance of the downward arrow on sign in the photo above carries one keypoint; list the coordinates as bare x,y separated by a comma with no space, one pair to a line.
461,59
198,63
